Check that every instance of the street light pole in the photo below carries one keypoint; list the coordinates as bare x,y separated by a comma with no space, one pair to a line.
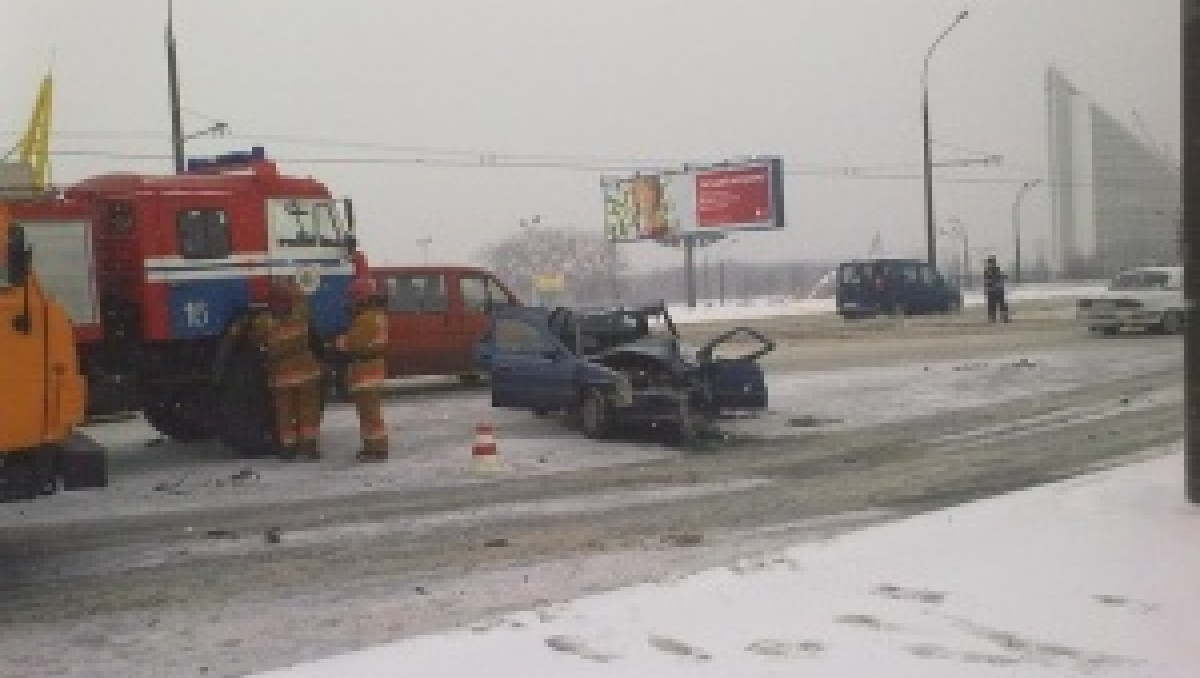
424,244
930,235
1016,221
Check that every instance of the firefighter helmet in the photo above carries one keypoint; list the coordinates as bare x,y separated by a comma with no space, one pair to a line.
363,290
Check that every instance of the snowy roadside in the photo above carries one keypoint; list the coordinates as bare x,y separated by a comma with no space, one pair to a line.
769,307
1089,576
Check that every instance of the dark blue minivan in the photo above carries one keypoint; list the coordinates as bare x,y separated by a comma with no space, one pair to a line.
870,287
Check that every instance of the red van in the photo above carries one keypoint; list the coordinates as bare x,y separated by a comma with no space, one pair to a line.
435,316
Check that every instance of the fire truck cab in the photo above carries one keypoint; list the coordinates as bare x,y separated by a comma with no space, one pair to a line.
156,270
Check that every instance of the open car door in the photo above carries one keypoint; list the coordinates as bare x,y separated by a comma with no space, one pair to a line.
529,366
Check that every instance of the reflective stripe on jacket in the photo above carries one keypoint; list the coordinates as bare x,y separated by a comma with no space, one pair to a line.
290,361
364,342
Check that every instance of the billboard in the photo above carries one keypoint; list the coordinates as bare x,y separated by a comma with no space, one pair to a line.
745,195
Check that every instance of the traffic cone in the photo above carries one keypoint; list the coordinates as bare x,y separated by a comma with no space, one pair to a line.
483,451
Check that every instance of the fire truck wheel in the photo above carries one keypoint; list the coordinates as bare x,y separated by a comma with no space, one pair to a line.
177,419
21,477
245,409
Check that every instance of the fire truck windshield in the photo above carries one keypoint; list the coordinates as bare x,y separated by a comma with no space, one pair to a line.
305,222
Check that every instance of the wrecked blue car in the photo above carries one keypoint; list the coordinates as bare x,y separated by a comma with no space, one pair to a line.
615,370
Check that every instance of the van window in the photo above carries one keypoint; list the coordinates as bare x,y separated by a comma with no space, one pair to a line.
416,293
203,234
481,293
517,336
852,274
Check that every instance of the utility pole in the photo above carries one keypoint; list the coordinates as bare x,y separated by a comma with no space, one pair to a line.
173,93
927,156
1190,71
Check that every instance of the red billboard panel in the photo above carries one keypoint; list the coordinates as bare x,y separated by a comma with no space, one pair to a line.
736,196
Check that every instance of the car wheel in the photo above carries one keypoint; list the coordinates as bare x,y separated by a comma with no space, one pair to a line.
595,416
1172,323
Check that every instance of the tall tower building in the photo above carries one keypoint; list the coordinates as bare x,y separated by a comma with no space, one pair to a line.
1114,198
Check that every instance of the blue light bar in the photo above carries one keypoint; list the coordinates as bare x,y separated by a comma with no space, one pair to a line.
227,160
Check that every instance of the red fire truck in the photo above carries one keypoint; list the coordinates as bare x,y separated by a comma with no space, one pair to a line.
154,270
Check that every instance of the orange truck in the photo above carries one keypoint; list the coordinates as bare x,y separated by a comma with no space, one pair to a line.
41,388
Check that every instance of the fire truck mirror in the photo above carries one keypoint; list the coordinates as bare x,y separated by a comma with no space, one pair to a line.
348,210
19,256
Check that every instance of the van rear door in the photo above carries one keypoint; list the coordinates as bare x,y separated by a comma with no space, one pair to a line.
856,293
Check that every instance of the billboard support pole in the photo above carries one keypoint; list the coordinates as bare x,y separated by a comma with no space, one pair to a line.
689,267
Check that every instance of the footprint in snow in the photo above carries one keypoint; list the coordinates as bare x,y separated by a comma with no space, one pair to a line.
864,620
1122,601
677,647
579,647
782,648
902,593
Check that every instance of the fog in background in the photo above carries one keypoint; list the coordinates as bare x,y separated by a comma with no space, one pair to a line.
419,110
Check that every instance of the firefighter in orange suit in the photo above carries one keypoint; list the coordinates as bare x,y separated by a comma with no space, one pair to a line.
362,345
293,373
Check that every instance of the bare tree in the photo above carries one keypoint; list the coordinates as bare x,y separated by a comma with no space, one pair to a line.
588,263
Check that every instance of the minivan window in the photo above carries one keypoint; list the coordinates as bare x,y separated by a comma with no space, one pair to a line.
416,293
482,293
853,274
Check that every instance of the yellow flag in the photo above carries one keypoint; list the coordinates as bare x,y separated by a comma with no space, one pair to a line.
34,147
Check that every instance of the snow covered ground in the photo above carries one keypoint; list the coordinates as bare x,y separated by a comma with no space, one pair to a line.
768,307
1094,576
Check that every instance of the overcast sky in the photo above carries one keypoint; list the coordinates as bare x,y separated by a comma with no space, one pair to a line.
469,86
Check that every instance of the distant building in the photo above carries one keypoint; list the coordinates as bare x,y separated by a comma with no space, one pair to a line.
1114,198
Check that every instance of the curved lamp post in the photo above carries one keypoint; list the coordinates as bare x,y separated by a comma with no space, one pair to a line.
930,234
1016,221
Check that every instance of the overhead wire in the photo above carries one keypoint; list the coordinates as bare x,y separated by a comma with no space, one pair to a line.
429,156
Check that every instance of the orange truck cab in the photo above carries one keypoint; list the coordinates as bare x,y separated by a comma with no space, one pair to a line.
436,314
41,388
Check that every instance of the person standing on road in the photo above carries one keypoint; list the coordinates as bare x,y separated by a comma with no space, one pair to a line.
993,288
293,373
363,345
